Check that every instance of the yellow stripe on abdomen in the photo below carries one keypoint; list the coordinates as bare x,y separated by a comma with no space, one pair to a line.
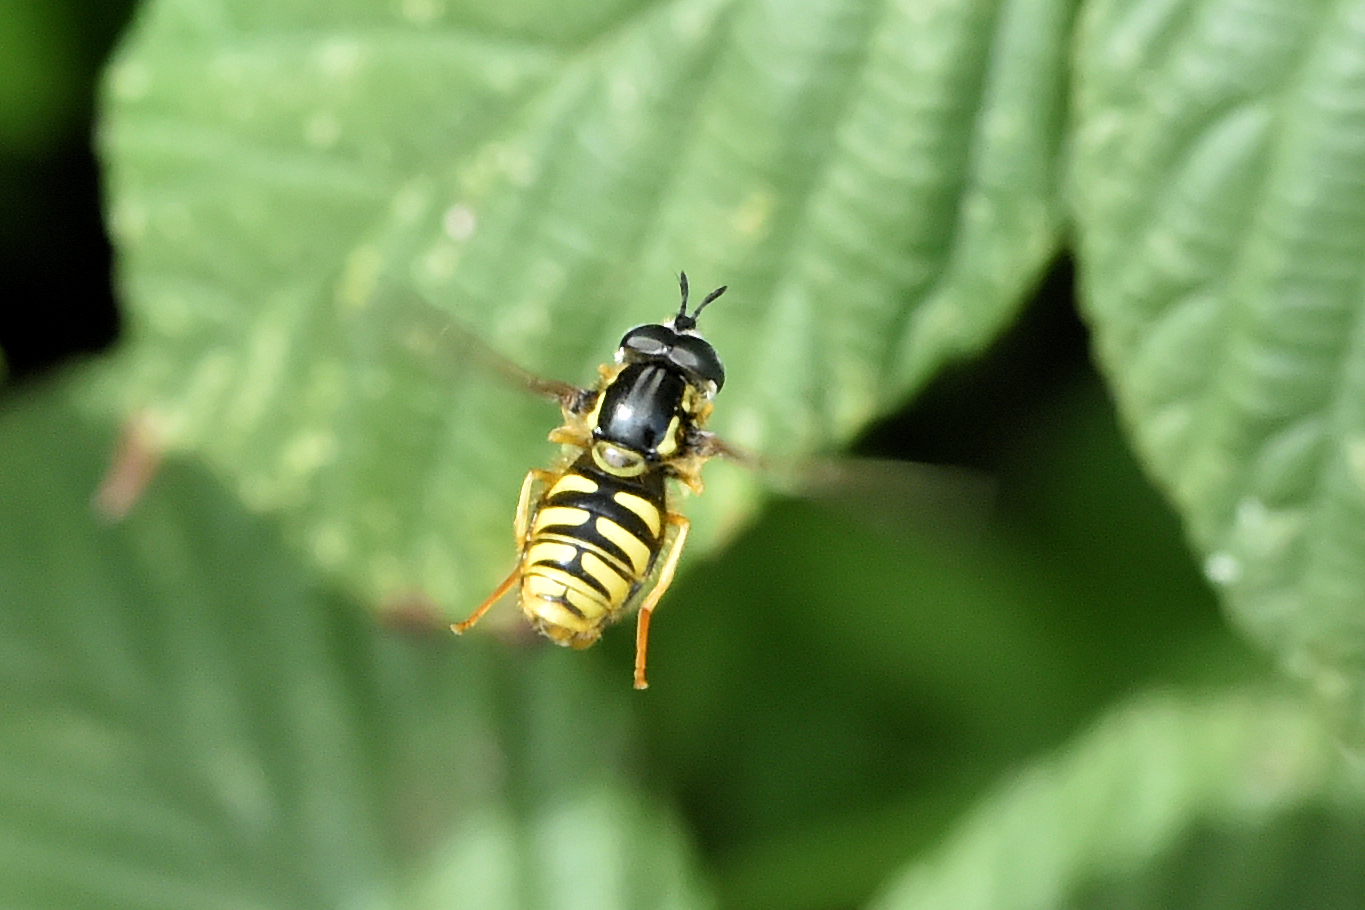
559,516
551,552
554,598
643,508
608,576
636,550
587,553
572,483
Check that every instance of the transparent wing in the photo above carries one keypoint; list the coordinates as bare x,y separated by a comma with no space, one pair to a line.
899,495
436,339
904,496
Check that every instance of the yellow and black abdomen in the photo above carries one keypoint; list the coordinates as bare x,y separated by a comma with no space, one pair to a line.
592,542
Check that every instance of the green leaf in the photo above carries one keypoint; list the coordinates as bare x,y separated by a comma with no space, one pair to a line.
1232,799
875,184
1221,215
189,721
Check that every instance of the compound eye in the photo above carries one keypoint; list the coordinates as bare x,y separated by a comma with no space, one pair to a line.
694,355
649,340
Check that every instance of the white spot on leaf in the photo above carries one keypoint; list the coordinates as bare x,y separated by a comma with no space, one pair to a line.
459,222
1222,569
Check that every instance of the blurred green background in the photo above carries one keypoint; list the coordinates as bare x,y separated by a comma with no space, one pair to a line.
1019,692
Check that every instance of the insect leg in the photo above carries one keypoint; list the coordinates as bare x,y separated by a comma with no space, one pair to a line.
704,446
521,526
574,433
665,578
709,445
522,523
459,628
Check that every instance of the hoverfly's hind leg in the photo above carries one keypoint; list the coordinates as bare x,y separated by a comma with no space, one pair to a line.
661,584
521,526
461,627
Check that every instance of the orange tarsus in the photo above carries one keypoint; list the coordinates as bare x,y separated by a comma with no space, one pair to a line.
665,579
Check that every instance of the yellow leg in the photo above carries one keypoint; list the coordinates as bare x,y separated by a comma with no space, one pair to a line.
573,433
520,526
706,447
665,579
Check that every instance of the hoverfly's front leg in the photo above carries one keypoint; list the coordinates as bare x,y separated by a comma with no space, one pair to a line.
661,584
574,432
577,427
521,527
708,445
702,447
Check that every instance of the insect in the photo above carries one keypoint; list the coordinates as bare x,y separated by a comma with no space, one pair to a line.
595,534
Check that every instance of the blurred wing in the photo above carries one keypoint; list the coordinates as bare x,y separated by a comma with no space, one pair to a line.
435,338
905,496
899,495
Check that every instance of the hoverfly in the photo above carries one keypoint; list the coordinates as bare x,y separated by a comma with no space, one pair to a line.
595,534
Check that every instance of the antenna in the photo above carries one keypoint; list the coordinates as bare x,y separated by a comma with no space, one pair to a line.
684,322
